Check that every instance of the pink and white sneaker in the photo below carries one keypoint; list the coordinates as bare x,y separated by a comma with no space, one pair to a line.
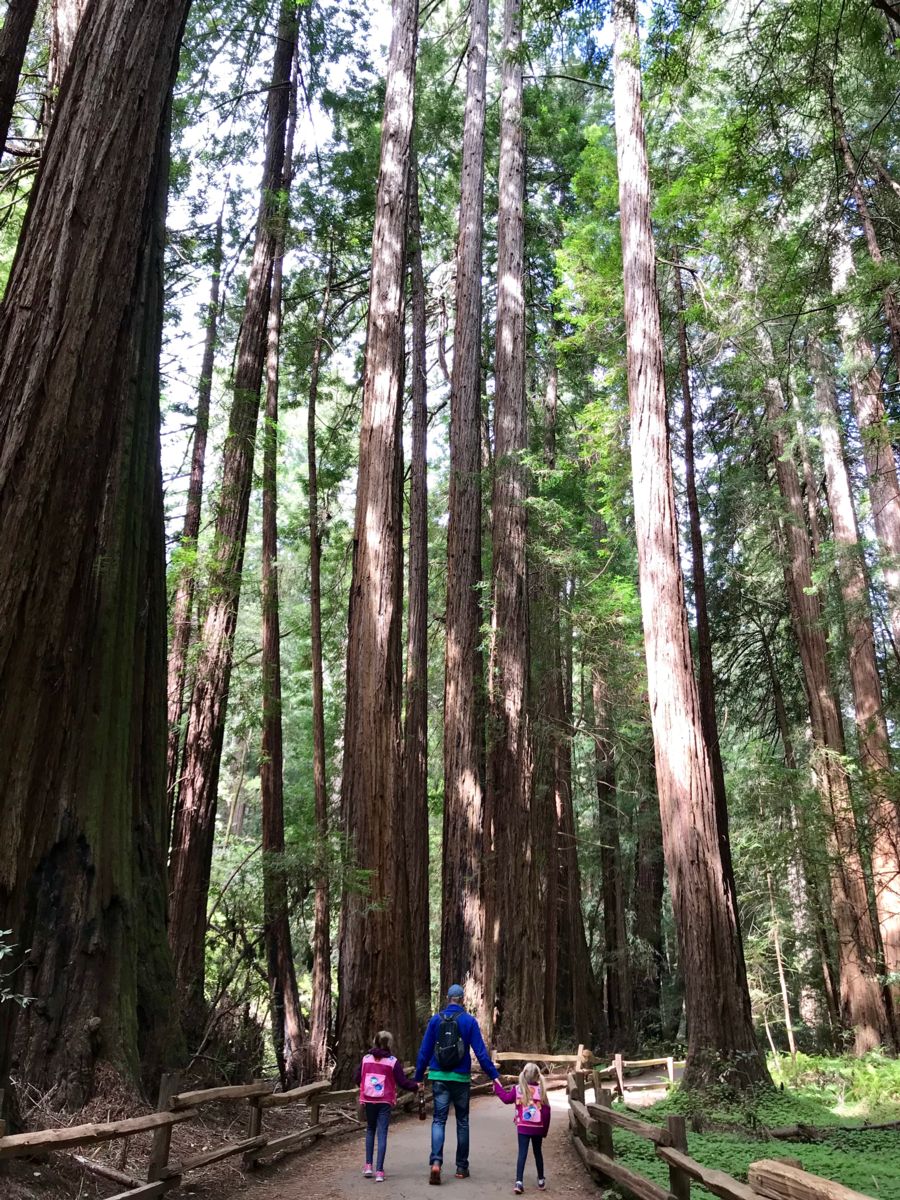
379,1176
367,1171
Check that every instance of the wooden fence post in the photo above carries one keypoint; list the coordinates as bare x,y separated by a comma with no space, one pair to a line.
670,1069
578,1077
604,1131
579,1058
619,1064
679,1182
254,1127
162,1137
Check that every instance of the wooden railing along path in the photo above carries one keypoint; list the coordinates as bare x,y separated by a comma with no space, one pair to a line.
592,1126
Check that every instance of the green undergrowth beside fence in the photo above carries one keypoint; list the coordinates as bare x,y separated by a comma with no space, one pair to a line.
834,1096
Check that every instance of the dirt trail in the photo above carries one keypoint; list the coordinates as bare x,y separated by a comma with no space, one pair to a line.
334,1171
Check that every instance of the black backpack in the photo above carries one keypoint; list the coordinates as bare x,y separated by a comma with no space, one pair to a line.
450,1049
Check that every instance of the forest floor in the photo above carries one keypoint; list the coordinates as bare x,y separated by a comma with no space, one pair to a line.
334,1171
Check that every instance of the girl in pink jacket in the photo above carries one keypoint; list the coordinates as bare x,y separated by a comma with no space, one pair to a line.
379,1075
532,1120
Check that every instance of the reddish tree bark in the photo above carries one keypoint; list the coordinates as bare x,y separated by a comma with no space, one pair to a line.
862,1004
871,727
64,21
376,988
183,600
194,820
14,36
466,952
320,1006
82,756
415,732
649,873
518,985
720,1027
288,1030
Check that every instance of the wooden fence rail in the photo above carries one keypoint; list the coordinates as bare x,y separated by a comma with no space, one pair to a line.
592,1128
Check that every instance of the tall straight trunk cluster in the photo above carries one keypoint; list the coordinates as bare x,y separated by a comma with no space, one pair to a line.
465,957
862,1004
195,809
415,729
375,958
14,35
82,757
720,1027
518,927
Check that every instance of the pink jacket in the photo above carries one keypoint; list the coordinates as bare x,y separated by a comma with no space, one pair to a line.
532,1118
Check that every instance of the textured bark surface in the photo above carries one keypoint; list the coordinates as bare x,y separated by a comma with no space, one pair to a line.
862,1004
464,946
518,983
14,34
182,602
82,601
720,1027
320,984
649,871
415,731
64,21
871,727
288,1030
619,1010
706,677
874,431
195,809
376,987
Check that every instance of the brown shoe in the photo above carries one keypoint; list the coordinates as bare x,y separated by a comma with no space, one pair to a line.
435,1174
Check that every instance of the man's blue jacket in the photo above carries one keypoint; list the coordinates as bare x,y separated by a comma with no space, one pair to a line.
471,1036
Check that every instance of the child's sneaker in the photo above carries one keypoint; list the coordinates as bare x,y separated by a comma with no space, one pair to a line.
518,1189
542,1183
367,1171
379,1176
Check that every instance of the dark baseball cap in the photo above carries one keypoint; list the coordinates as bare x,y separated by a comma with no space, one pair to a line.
455,992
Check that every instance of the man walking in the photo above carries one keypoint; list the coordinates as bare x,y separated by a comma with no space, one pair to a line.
445,1053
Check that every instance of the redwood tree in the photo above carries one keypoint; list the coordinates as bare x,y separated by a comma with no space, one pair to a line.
720,1026
464,954
14,35
82,756
195,809
375,966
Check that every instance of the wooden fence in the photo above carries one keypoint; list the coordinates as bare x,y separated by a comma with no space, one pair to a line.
592,1126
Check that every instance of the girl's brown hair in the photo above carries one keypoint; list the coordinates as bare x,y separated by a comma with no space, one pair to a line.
384,1041
531,1085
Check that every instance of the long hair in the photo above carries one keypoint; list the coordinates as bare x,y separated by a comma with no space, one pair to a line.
531,1085
384,1041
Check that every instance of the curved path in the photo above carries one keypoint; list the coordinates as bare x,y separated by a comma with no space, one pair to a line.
333,1171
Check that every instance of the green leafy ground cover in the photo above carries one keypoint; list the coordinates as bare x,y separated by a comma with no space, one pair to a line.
827,1094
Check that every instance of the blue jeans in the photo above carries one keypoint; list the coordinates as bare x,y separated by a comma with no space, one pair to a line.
378,1117
443,1093
537,1146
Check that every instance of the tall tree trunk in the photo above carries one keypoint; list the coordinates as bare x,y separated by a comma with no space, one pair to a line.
376,987
518,984
465,945
874,430
717,999
82,757
706,680
65,18
618,969
184,589
288,1031
195,810
320,1006
415,733
872,734
647,906
862,1004
14,36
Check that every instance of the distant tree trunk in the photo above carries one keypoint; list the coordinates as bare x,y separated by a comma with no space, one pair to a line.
620,1014
874,747
320,1006
376,986
14,36
82,756
720,1026
415,734
706,680
195,810
65,18
465,946
518,987
874,431
862,1004
184,589
647,906
288,1031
